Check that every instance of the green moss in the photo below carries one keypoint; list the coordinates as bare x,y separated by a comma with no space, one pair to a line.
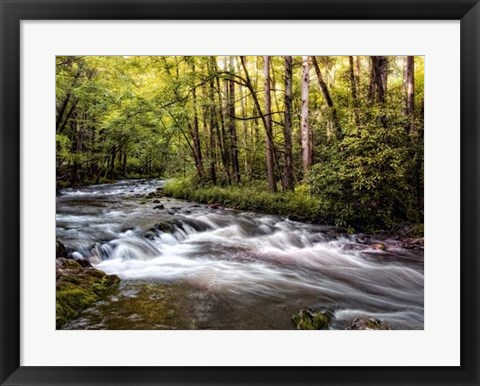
78,287
311,320
70,301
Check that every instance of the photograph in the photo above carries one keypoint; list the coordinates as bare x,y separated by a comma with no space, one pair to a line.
239,192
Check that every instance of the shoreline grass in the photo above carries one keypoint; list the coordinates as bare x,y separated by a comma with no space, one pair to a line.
298,205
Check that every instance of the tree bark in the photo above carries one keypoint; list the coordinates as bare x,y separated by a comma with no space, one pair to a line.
232,126
213,123
305,129
378,81
268,127
266,124
378,84
226,134
410,91
195,132
287,128
124,167
353,86
221,130
327,96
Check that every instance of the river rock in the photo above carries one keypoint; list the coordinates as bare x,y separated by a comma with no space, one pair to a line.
293,217
309,319
61,250
78,287
378,246
156,201
159,207
413,243
367,323
217,205
168,226
150,235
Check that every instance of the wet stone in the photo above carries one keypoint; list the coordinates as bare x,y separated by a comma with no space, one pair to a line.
309,319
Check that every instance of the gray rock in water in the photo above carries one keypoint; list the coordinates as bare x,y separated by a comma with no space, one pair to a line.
413,243
60,250
367,323
159,207
309,319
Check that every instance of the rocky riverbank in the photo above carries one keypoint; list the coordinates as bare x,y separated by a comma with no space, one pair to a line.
78,285
321,319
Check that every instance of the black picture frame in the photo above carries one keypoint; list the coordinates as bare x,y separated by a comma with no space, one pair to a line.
13,11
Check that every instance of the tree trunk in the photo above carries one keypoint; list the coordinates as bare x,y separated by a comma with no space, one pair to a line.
226,133
233,129
124,166
353,86
378,84
353,81
221,130
195,132
112,162
213,123
327,96
263,117
268,127
410,91
287,127
305,129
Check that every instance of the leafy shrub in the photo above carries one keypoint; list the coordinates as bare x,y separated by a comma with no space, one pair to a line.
363,181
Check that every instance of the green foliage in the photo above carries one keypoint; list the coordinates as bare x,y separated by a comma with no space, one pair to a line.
147,116
252,197
363,180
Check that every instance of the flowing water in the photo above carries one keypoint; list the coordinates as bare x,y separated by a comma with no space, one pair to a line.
189,266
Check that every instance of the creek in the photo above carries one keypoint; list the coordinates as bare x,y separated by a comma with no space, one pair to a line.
191,266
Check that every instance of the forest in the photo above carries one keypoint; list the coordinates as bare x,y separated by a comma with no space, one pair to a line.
331,139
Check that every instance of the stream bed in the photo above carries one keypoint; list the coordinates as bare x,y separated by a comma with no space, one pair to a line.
186,265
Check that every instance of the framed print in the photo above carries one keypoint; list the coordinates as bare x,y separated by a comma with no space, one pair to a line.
265,193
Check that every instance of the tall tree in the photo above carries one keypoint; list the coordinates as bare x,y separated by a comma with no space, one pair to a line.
410,91
213,120
232,125
307,148
267,124
354,88
287,127
327,96
194,129
268,127
378,79
378,84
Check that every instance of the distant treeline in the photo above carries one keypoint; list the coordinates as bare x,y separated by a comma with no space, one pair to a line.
349,128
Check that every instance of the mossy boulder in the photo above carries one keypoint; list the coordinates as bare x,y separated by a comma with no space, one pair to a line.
309,319
78,287
367,323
